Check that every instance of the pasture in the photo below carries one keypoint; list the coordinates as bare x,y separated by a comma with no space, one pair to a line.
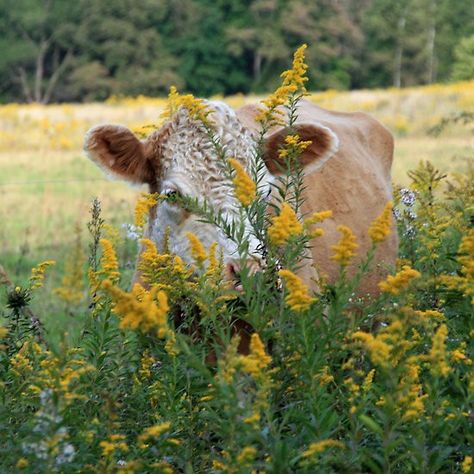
331,383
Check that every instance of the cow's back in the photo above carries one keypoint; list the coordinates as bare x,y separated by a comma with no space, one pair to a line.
355,184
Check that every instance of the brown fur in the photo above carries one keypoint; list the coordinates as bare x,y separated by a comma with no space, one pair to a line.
116,149
355,184
321,144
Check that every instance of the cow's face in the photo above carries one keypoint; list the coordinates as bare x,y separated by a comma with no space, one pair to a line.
181,160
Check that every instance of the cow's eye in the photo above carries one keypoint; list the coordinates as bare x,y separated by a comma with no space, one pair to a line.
171,195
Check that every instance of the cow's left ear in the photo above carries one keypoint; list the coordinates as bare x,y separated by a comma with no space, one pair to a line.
119,152
324,144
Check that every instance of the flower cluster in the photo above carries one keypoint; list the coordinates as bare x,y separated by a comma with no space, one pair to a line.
381,227
284,226
294,146
108,261
142,208
196,108
244,186
37,274
141,309
394,284
293,83
298,298
344,250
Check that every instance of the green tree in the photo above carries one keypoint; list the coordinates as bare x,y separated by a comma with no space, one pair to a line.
35,48
463,67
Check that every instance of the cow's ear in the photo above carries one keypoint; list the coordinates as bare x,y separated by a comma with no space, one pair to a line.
120,153
324,144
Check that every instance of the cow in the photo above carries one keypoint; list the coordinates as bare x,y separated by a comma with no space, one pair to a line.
347,170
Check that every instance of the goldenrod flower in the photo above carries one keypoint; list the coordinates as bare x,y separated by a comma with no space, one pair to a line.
344,250
293,146
144,203
258,359
396,283
284,225
247,455
37,274
324,377
21,463
153,432
379,350
317,217
298,298
467,464
116,443
465,281
296,76
196,108
139,310
320,446
108,261
293,82
198,251
367,383
244,186
438,355
3,332
381,226
409,393
430,314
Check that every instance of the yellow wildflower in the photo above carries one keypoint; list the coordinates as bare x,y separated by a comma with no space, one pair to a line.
37,274
21,463
116,442
409,392
109,262
395,283
196,108
344,250
367,383
381,227
317,217
293,81
244,187
437,355
252,419
153,432
324,377
197,249
293,146
429,314
247,455
3,332
284,226
467,464
465,281
378,349
296,76
320,446
258,359
139,310
298,298
143,206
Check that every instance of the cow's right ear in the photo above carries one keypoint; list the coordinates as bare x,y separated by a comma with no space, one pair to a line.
119,152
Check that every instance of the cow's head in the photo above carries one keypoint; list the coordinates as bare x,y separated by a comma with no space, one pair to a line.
180,159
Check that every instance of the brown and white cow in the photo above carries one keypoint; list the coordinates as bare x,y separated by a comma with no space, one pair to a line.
355,181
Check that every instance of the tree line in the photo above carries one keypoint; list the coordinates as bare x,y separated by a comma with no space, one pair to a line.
84,50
